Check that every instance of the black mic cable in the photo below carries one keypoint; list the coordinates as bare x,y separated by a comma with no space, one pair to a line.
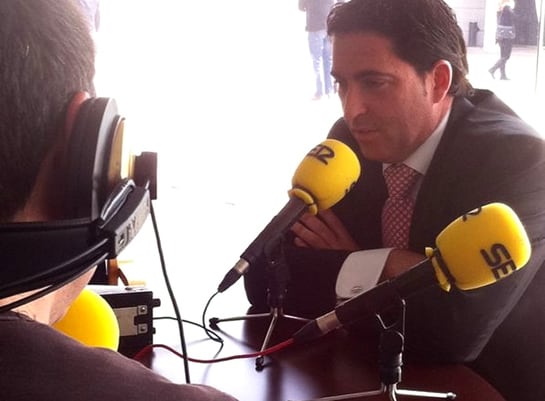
170,293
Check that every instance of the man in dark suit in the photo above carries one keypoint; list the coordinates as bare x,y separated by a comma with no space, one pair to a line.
400,66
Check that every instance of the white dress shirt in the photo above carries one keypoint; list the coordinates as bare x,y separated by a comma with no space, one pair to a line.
362,269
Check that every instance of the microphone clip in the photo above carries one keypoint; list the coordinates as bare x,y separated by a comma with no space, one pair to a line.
277,272
391,347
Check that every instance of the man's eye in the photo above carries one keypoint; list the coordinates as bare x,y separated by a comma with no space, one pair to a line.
373,83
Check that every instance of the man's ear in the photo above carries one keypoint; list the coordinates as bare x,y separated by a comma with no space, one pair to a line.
45,200
442,79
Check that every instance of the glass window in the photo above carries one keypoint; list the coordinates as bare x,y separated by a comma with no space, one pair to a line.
518,61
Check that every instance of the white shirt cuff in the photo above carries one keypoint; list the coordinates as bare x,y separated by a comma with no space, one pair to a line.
360,272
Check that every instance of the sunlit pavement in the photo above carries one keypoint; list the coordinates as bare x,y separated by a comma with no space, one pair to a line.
521,91
221,90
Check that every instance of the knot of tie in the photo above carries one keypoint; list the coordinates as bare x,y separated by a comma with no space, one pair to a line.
397,211
400,180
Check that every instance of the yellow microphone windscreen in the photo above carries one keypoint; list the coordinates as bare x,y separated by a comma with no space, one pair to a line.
325,175
482,247
91,321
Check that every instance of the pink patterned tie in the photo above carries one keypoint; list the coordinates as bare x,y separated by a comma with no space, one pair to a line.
398,209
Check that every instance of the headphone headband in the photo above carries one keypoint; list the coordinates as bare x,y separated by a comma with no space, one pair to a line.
35,255
106,211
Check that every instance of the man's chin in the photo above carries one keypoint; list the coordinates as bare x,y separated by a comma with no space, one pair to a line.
374,153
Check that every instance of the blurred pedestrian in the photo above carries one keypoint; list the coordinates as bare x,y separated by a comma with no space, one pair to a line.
319,44
505,35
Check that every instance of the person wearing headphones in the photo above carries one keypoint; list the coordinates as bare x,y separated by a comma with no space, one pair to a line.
46,59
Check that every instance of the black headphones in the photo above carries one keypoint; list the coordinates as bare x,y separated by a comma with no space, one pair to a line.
107,210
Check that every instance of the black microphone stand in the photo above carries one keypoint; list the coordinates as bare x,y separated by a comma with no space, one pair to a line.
277,279
390,362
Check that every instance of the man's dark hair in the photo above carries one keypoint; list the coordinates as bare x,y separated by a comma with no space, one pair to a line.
422,32
46,55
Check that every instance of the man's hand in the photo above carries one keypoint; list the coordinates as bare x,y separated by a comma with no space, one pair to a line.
323,231
400,261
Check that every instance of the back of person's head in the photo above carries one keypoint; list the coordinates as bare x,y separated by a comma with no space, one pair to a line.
46,56
421,32
506,4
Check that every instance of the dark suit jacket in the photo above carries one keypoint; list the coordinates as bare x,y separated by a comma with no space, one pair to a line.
486,154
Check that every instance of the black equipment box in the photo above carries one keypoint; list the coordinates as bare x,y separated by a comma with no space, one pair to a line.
133,307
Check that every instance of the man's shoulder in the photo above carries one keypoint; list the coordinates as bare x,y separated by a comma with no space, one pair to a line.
61,366
482,102
16,326
484,113
484,136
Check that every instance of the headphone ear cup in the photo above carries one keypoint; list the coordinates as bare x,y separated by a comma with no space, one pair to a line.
94,147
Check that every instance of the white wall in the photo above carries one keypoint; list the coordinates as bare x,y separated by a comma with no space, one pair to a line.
473,11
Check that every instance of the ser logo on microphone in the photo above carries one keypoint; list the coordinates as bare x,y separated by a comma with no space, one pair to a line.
500,261
323,153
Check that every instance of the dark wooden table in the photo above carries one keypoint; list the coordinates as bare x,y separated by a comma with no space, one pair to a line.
336,364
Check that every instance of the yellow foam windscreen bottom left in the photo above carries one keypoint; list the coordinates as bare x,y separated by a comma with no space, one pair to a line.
91,321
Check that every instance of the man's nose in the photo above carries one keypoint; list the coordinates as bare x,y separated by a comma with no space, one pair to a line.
354,104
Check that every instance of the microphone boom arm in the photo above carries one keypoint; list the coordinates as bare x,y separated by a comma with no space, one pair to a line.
276,228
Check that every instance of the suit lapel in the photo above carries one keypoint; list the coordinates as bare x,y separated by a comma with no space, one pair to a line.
435,195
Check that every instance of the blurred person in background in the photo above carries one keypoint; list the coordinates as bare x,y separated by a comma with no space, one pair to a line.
505,36
319,44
